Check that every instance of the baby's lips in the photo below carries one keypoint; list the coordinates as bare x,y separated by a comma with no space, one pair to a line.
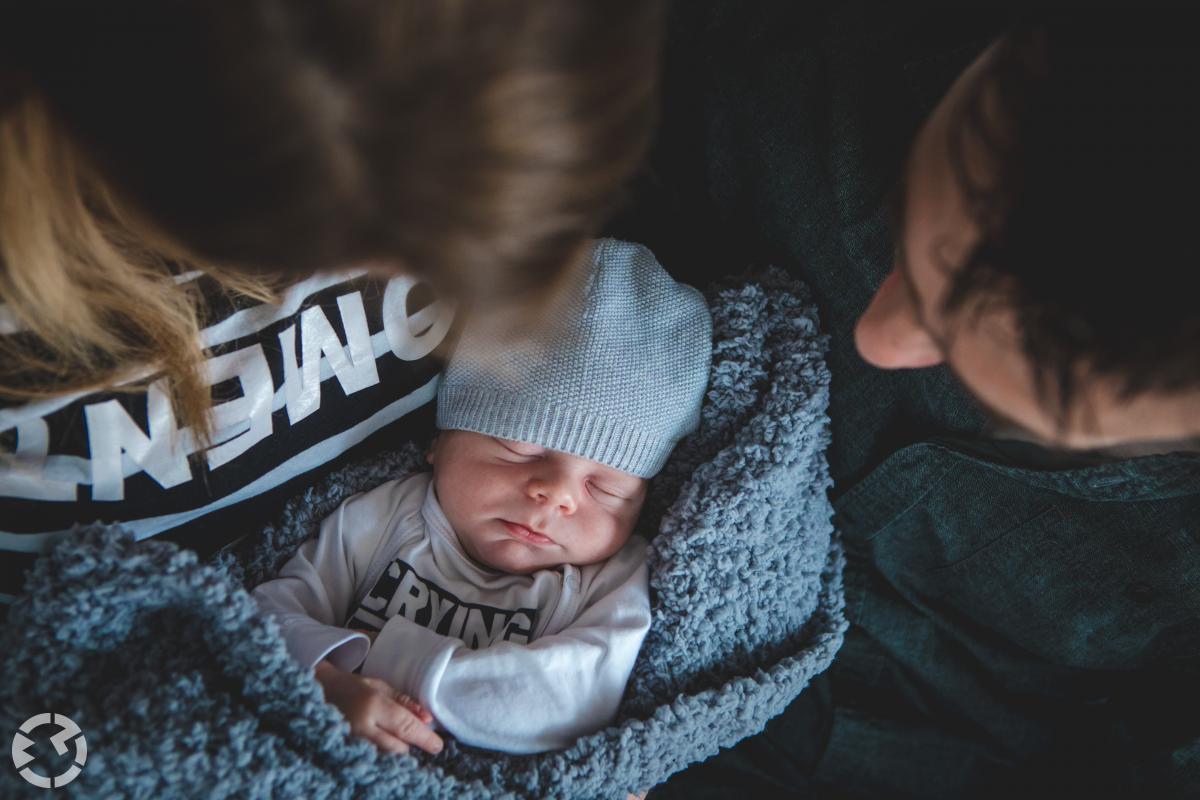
527,533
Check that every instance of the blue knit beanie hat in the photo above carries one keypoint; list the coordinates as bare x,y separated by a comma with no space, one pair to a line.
615,375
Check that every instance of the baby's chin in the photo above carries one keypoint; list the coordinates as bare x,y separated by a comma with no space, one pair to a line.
515,557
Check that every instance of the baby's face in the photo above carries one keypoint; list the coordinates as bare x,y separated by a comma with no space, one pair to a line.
518,507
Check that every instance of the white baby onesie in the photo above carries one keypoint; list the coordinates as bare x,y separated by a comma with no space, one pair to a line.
517,663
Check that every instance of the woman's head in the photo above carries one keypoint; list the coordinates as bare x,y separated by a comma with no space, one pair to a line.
475,144
460,139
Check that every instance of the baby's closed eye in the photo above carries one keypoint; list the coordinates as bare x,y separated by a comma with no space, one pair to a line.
518,452
607,493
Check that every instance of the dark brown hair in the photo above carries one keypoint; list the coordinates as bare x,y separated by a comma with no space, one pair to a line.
1087,215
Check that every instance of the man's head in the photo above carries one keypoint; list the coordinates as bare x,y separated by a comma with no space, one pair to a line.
1044,235
556,430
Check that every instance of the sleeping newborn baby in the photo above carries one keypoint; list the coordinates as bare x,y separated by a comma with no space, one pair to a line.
502,598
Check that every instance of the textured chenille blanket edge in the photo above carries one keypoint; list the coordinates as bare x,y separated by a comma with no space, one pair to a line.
182,688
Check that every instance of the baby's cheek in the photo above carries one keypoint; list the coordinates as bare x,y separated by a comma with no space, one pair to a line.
601,541
469,497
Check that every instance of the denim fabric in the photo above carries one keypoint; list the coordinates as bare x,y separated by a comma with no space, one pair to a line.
1017,628
1013,630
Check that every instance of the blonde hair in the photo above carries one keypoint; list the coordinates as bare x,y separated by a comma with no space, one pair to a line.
93,288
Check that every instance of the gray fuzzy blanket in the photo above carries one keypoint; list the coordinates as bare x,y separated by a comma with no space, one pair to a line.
181,688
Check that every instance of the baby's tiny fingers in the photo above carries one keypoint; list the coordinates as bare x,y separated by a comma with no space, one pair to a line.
386,741
414,706
404,725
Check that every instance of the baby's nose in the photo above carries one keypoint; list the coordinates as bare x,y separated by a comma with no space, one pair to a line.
553,492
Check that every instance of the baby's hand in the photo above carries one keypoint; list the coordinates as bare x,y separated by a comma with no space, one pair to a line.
377,712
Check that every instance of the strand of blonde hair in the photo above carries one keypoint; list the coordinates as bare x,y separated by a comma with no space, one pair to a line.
92,286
